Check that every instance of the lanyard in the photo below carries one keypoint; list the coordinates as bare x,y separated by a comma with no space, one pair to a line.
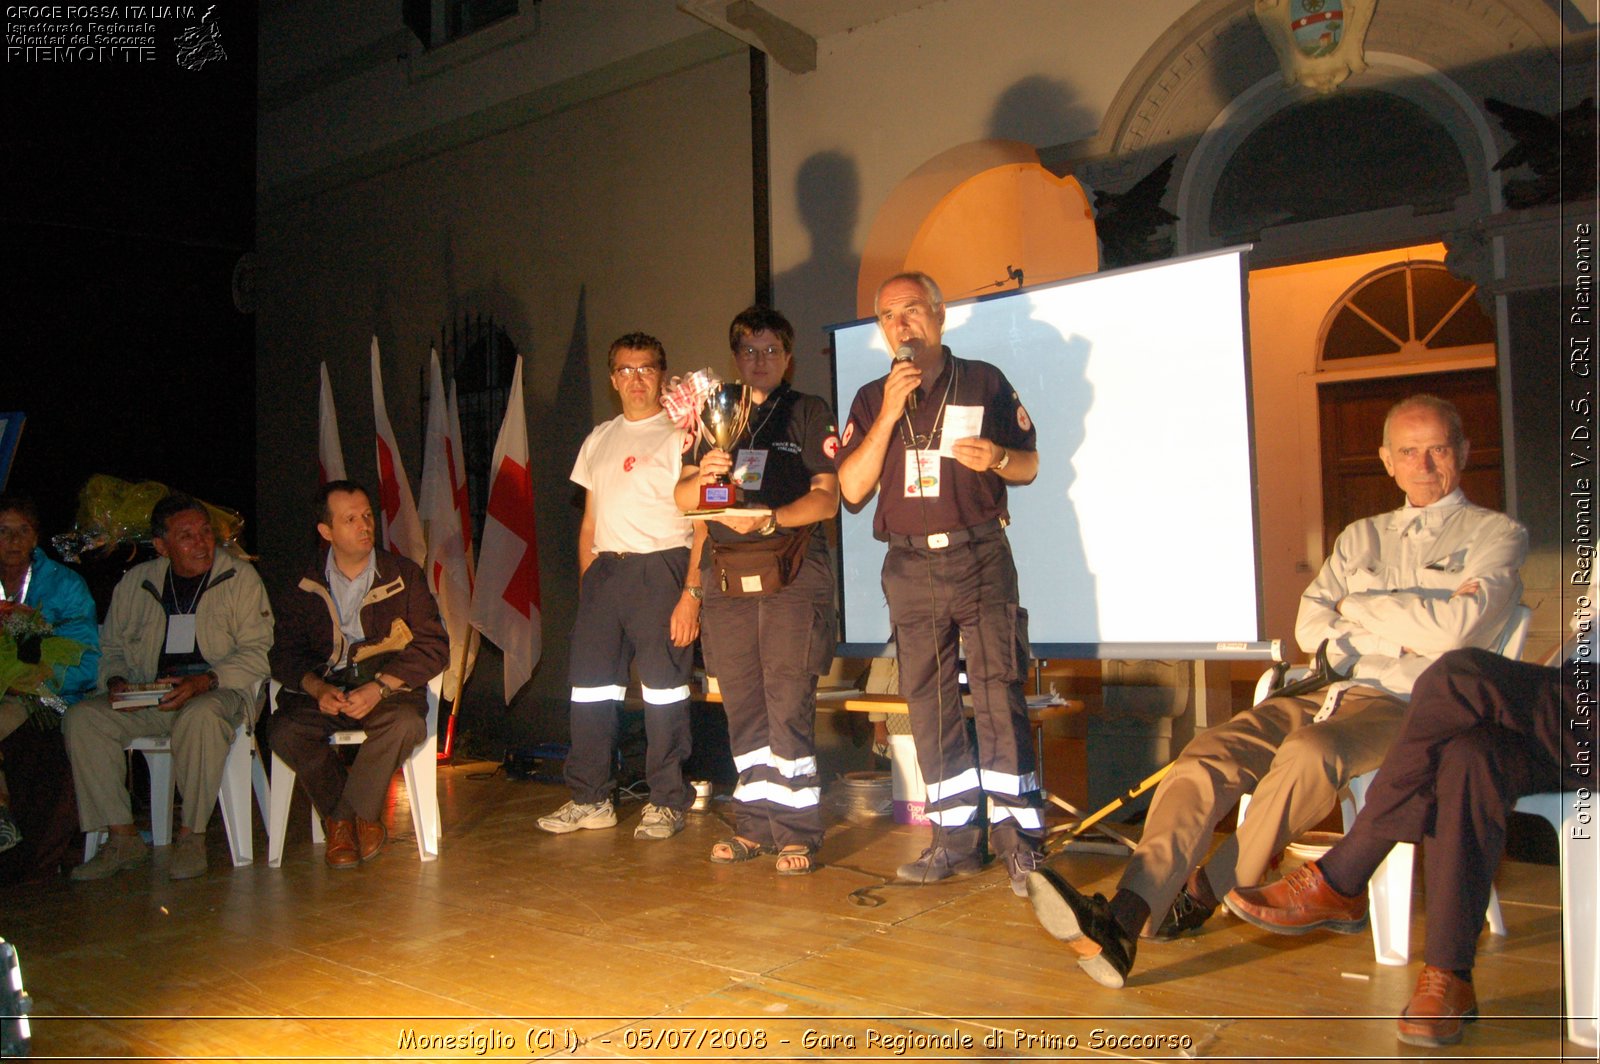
27,578
774,400
198,591
921,443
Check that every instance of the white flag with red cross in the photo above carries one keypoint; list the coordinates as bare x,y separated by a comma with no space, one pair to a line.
505,602
402,528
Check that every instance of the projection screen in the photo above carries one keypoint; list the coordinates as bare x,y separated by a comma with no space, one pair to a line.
1138,538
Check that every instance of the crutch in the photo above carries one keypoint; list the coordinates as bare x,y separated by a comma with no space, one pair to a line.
1321,675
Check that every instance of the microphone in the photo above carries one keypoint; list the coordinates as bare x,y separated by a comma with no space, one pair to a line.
904,353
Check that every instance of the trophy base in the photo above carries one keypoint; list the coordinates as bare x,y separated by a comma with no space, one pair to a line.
720,496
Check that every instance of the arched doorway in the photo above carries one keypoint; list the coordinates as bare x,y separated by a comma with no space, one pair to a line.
1397,319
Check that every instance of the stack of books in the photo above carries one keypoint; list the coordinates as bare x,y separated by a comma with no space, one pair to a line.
141,695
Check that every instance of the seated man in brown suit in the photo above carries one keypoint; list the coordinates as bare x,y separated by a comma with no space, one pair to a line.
354,600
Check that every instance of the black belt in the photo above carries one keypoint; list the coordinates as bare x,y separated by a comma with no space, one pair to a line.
634,553
941,540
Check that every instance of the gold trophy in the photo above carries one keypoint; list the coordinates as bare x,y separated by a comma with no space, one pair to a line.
723,417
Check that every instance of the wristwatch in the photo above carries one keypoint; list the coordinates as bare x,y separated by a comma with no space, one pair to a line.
696,592
384,690
1005,460
772,524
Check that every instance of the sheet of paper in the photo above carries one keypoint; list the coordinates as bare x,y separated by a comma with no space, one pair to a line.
960,422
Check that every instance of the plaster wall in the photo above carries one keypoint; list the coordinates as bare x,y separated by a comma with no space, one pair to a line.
1287,307
888,97
570,230
342,80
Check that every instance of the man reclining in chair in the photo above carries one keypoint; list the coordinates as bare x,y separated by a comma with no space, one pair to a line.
1399,590
359,638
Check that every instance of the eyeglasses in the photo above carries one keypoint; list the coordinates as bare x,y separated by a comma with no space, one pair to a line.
644,373
761,354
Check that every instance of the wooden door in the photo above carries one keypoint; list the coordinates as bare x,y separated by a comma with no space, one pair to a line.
1351,413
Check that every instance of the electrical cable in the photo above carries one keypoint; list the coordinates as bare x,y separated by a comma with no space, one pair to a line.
914,451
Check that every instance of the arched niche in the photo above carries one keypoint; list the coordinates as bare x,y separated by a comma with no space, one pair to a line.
969,213
1388,114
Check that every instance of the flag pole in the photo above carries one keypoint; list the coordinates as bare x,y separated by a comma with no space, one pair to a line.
449,748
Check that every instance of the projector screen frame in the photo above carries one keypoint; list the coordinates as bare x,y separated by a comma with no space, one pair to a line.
1233,649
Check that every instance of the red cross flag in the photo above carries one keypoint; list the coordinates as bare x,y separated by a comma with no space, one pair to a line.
330,456
458,459
402,529
444,490
505,602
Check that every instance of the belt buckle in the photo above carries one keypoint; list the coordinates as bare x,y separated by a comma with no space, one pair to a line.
939,541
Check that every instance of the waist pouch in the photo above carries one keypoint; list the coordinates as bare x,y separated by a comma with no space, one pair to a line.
749,568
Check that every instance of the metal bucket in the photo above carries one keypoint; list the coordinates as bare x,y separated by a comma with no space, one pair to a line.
865,796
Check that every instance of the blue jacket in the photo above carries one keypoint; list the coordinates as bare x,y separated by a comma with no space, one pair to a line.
62,596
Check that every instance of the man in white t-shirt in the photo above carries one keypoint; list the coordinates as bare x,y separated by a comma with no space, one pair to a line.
638,601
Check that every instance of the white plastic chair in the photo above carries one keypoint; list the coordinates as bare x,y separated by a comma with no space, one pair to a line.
1580,929
421,776
241,774
1389,889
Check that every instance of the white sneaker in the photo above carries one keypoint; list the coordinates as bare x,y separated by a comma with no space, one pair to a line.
658,822
575,815
10,834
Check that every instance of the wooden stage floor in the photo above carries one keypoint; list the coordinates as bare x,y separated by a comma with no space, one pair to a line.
522,945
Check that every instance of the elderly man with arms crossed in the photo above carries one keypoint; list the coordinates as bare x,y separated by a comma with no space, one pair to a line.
1399,590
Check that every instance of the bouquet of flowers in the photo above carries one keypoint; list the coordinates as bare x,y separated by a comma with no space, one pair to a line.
30,656
682,398
114,513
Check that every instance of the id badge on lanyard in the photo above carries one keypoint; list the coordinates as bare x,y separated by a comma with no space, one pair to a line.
922,474
180,633
749,468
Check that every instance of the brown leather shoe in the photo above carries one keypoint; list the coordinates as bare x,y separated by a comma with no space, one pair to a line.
341,851
1299,902
1441,1007
370,837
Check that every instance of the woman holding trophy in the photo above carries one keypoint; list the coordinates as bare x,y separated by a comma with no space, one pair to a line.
762,475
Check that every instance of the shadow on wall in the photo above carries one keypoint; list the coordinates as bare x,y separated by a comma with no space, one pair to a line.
1038,110
557,427
1049,372
821,290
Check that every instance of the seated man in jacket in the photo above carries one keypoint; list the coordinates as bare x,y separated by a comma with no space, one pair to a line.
197,621
358,641
1482,731
1399,590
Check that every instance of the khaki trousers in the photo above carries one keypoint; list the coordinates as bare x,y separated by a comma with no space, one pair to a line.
202,731
1295,770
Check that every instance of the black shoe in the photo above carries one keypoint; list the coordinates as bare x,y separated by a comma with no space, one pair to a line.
1018,865
1104,950
1186,914
938,863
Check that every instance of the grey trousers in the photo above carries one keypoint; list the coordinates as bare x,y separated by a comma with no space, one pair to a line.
1295,770
297,731
202,731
